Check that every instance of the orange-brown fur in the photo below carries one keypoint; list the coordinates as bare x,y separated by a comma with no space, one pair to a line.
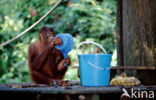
45,62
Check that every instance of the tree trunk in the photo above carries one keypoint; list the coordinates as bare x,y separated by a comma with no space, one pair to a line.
138,36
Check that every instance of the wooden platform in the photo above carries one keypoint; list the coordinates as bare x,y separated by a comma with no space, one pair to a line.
75,92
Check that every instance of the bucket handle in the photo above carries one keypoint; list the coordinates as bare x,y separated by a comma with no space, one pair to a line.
87,42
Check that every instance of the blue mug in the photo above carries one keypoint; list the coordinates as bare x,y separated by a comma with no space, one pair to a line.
67,43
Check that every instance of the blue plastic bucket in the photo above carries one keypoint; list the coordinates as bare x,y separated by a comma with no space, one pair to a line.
94,69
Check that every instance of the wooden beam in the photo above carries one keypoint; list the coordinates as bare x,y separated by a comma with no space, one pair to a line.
134,67
130,67
119,23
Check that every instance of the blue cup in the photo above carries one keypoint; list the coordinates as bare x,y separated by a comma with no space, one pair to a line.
67,43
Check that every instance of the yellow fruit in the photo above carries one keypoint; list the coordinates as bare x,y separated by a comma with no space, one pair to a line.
122,80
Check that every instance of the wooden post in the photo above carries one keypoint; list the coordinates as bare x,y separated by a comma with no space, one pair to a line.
138,36
119,33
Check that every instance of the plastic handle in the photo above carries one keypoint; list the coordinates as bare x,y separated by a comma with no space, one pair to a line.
87,42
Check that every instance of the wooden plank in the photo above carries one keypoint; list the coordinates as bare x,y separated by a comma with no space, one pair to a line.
75,89
139,32
130,67
139,42
134,67
119,37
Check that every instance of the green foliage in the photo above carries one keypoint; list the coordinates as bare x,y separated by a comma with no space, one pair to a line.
84,19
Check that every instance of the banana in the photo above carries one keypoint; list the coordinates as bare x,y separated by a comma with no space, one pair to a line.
123,80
